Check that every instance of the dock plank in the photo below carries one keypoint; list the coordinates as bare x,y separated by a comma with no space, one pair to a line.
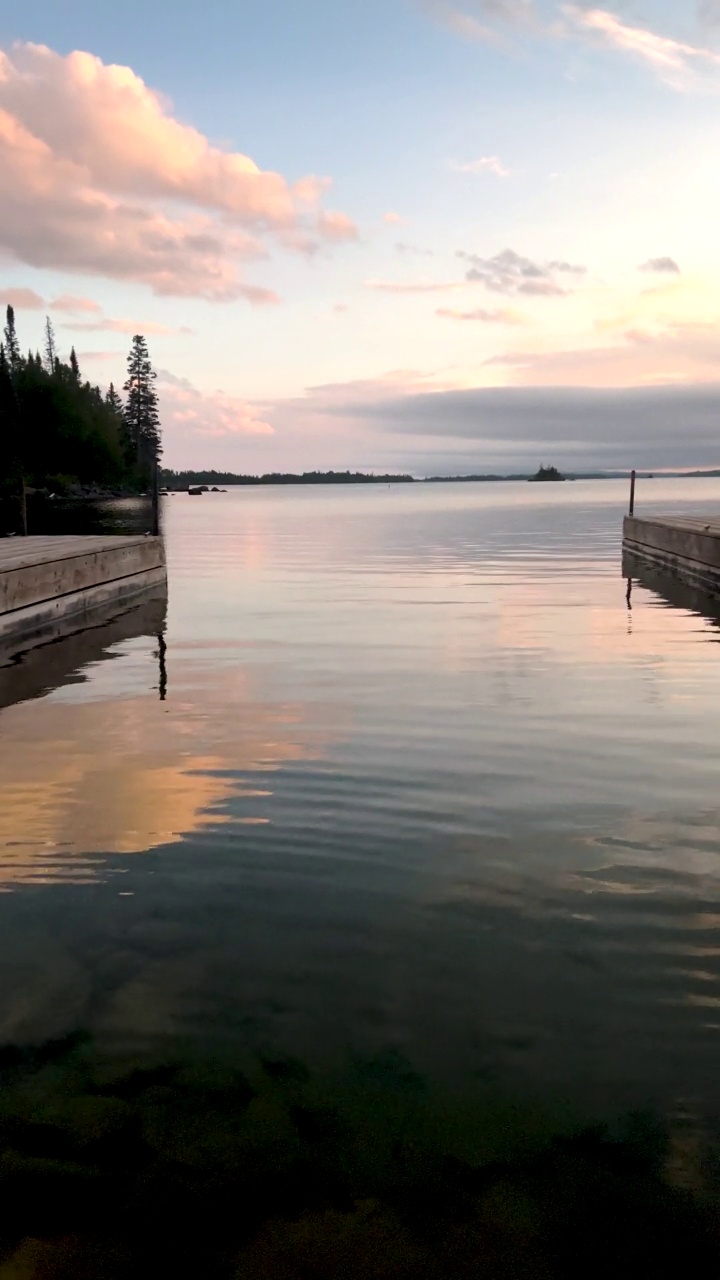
686,547
45,581
18,553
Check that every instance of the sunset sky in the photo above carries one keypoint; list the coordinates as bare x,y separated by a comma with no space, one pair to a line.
428,235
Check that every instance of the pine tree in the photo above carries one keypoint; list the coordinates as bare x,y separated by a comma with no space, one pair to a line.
11,467
141,407
113,401
74,366
12,346
50,346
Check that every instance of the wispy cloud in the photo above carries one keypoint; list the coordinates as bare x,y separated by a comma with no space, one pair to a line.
413,286
708,12
394,219
21,299
511,273
479,20
660,266
107,325
485,164
485,316
71,304
190,412
413,250
674,60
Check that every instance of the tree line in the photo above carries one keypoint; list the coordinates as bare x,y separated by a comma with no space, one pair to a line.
57,430
182,479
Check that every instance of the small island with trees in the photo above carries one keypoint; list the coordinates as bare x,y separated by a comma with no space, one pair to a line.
546,473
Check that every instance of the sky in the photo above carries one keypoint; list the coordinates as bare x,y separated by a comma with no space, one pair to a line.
436,236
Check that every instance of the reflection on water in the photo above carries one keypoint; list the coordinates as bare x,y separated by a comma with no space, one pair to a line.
411,812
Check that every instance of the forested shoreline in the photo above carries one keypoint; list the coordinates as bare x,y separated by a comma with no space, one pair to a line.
59,432
183,479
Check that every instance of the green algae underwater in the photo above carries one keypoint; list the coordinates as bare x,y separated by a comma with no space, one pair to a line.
112,1169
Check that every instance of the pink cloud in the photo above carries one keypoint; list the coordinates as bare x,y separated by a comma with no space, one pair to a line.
499,316
190,413
419,286
394,219
21,299
107,325
336,226
100,177
485,164
69,303
673,59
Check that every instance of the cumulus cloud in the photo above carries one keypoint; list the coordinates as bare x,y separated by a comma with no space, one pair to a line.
660,266
189,412
485,164
21,299
511,273
100,177
674,60
500,316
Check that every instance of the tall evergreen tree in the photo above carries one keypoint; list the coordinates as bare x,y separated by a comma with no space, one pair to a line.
113,401
12,472
50,346
74,366
12,346
141,407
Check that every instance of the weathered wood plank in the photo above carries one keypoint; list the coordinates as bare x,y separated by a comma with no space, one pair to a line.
22,585
688,548
19,552
45,582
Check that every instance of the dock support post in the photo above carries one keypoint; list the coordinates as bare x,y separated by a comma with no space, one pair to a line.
631,512
155,496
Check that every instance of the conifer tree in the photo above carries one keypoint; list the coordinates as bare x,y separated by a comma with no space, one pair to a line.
74,367
113,401
50,346
12,346
11,465
141,407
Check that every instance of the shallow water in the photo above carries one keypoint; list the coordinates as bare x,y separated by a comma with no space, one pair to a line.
407,781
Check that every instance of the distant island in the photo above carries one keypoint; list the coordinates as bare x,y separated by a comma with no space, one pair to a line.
546,473
180,480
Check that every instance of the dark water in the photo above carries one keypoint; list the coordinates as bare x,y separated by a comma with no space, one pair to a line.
398,854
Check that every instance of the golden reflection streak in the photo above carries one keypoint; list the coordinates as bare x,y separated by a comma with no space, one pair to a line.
127,774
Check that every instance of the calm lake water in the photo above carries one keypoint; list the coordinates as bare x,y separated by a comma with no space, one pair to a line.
407,792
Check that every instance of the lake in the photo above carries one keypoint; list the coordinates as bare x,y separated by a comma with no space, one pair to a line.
406,813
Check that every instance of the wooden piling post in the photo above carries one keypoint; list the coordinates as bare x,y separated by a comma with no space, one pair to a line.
631,512
155,497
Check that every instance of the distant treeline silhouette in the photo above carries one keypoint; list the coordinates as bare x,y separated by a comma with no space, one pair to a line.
183,479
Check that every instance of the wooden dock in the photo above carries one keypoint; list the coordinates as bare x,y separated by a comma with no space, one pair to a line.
54,584
686,547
